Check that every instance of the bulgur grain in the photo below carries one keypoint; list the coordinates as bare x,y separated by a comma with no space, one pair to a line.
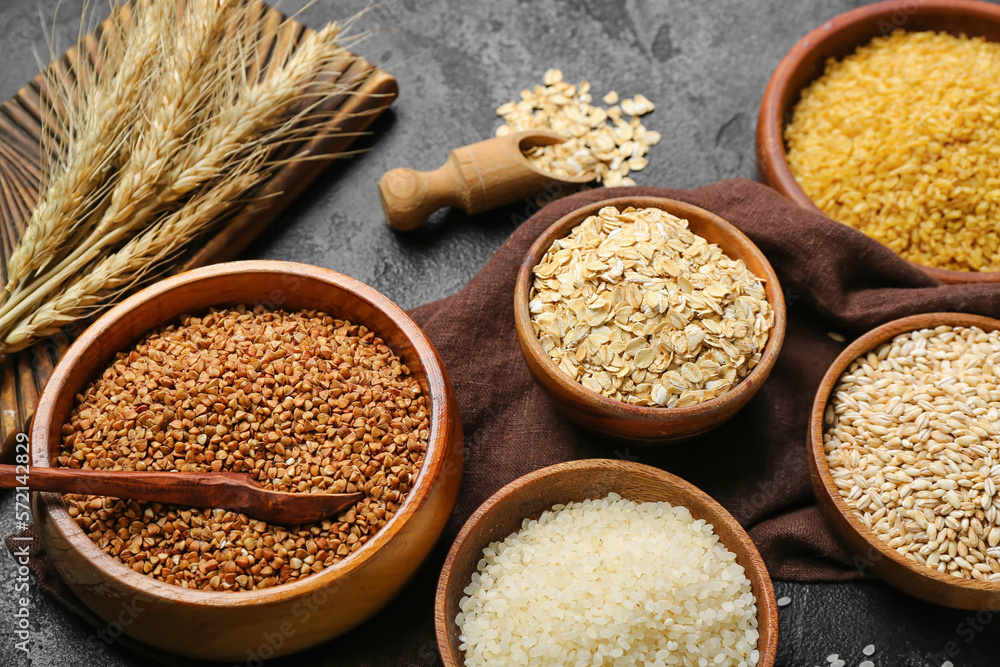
901,140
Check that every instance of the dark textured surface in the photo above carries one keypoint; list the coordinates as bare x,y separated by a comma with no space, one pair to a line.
705,65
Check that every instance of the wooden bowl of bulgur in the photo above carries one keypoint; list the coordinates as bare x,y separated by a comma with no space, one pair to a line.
263,367
703,349
874,120
903,438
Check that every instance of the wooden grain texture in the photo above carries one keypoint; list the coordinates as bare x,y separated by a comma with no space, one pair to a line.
527,497
368,91
837,38
907,575
475,178
226,490
635,422
224,625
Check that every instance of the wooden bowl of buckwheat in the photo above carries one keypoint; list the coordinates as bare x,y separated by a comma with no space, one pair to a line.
648,319
904,435
306,379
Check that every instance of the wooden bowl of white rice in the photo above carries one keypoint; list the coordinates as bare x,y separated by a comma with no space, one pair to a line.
604,562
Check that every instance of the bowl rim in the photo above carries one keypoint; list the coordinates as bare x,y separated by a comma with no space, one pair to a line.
820,476
772,158
442,415
609,406
767,608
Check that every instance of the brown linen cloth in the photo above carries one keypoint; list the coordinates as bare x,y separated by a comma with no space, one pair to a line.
835,280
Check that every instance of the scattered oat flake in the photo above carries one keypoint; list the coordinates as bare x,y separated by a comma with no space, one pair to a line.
836,336
601,141
869,650
784,601
866,663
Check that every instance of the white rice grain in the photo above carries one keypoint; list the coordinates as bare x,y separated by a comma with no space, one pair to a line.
609,582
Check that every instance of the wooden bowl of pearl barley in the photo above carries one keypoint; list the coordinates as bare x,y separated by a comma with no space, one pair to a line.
306,378
904,435
697,292
540,567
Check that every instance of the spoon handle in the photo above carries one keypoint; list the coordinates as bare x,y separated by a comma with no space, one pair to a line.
475,178
190,488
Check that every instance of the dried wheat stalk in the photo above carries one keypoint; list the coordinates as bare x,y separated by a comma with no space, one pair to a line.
139,259
201,142
75,191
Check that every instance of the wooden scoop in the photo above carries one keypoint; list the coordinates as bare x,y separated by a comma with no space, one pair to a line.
228,490
475,178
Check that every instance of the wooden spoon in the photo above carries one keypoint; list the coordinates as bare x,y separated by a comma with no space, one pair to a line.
475,178
228,490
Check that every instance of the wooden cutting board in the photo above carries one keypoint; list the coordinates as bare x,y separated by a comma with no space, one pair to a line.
368,92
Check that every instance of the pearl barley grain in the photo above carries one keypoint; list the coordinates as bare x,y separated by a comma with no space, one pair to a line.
912,439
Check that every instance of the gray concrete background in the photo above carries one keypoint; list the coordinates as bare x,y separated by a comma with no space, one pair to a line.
704,64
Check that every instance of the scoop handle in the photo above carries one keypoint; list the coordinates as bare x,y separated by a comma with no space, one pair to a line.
475,178
409,197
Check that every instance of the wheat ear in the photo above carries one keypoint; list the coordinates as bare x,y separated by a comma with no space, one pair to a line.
233,129
109,111
164,129
138,261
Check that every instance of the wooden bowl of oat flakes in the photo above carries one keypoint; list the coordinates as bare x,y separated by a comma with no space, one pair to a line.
904,438
648,319
305,378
